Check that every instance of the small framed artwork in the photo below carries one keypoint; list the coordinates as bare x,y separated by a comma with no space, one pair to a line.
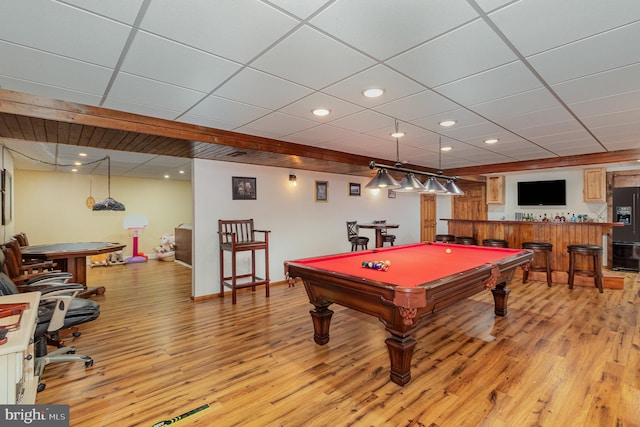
391,194
354,189
322,191
243,188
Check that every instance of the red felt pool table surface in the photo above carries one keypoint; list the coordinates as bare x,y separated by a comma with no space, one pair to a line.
411,265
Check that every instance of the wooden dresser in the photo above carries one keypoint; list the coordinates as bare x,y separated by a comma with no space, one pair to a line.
183,235
17,382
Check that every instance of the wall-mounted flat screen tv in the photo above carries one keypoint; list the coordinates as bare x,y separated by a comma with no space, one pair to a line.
542,193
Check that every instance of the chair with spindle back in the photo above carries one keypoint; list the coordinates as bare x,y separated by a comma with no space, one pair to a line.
237,236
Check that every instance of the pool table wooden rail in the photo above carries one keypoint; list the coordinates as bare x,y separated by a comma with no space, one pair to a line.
401,309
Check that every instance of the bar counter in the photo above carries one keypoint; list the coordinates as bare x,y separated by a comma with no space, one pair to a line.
559,234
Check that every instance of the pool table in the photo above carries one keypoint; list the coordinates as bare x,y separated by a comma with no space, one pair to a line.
421,279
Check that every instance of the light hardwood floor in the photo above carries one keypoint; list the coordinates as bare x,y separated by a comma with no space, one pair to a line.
560,358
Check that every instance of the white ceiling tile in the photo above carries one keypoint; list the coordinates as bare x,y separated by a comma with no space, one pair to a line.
555,128
145,110
422,104
301,9
524,121
364,121
153,93
607,83
577,60
293,60
465,51
506,80
208,121
304,107
537,25
395,86
281,124
53,70
161,59
227,110
514,105
120,10
319,134
474,132
238,30
49,91
620,118
263,90
607,105
383,28
73,33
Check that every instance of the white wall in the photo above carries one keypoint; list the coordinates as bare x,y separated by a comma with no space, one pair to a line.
299,226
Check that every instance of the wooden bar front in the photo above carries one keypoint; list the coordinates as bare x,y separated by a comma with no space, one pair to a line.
559,234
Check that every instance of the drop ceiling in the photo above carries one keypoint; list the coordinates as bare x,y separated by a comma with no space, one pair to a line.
549,79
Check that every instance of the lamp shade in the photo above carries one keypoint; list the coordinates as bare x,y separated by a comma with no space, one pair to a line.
452,188
411,183
382,180
433,186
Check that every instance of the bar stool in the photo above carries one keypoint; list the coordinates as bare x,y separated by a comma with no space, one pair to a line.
466,240
541,248
445,238
586,250
495,243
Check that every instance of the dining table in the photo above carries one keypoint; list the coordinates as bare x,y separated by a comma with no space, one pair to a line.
378,227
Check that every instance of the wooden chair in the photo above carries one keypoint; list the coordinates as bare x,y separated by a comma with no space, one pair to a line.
240,236
386,237
27,274
355,239
22,239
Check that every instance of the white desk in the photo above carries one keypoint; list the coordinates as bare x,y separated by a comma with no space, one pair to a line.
17,382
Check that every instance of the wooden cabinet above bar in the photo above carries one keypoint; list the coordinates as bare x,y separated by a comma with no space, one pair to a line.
559,234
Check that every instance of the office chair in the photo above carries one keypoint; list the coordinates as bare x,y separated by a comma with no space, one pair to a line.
59,309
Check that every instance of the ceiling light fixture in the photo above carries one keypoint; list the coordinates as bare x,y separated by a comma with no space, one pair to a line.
108,204
397,134
382,179
491,141
447,123
321,112
450,186
293,180
373,92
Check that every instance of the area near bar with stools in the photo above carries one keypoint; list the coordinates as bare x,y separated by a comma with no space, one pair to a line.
559,235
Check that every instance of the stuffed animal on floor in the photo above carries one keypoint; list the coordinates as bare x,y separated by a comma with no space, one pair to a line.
167,248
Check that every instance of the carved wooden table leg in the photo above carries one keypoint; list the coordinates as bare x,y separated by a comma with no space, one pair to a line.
321,321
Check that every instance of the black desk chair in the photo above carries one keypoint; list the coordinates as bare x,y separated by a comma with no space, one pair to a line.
355,239
386,237
59,309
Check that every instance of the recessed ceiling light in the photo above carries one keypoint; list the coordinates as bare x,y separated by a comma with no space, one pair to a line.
82,154
77,163
373,93
447,123
320,112
74,170
181,172
490,141
397,134
446,149
166,176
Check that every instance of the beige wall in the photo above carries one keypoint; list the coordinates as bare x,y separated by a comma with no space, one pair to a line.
50,208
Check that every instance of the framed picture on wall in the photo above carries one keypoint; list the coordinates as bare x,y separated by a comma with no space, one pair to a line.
322,191
354,189
243,188
391,194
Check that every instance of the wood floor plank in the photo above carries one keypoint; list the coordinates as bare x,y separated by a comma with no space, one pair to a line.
561,357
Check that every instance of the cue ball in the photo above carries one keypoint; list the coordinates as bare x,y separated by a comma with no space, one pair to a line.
448,250
387,262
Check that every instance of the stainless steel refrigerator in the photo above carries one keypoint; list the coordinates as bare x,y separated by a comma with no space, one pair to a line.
626,239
